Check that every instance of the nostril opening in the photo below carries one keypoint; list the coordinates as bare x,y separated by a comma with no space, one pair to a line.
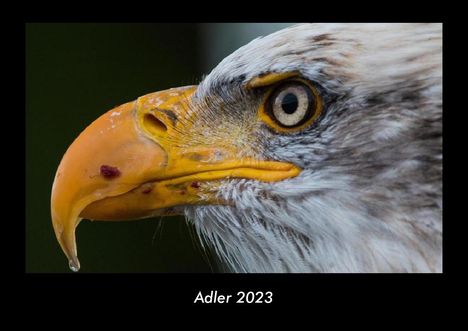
152,123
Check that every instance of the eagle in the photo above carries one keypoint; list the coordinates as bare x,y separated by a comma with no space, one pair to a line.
317,148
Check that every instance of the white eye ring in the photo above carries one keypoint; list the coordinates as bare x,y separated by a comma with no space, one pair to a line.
291,105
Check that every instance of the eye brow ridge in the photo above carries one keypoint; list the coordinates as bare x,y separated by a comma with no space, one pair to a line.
270,78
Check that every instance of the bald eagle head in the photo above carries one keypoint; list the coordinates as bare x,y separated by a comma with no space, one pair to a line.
315,149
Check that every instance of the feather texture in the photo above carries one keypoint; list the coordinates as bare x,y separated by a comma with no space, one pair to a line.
370,196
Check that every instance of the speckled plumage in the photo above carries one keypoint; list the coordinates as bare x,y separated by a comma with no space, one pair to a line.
369,198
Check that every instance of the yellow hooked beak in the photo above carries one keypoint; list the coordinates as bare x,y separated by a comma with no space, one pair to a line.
131,164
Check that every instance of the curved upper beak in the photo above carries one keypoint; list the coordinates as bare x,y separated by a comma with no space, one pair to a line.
130,163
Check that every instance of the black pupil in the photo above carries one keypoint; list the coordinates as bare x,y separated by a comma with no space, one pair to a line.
289,103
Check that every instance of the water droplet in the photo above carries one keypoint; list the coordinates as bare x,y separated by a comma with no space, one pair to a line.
74,266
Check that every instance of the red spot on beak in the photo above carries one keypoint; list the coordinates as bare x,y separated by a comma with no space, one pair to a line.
195,185
109,172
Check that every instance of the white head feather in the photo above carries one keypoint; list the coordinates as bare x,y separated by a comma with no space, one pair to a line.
369,197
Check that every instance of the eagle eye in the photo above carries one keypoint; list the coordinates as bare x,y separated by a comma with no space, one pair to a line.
292,105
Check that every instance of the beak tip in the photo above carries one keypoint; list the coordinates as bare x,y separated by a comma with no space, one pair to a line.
74,264
67,241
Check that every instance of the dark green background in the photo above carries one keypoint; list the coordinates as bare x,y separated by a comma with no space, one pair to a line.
74,73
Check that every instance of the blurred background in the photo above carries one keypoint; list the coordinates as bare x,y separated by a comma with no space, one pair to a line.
75,73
